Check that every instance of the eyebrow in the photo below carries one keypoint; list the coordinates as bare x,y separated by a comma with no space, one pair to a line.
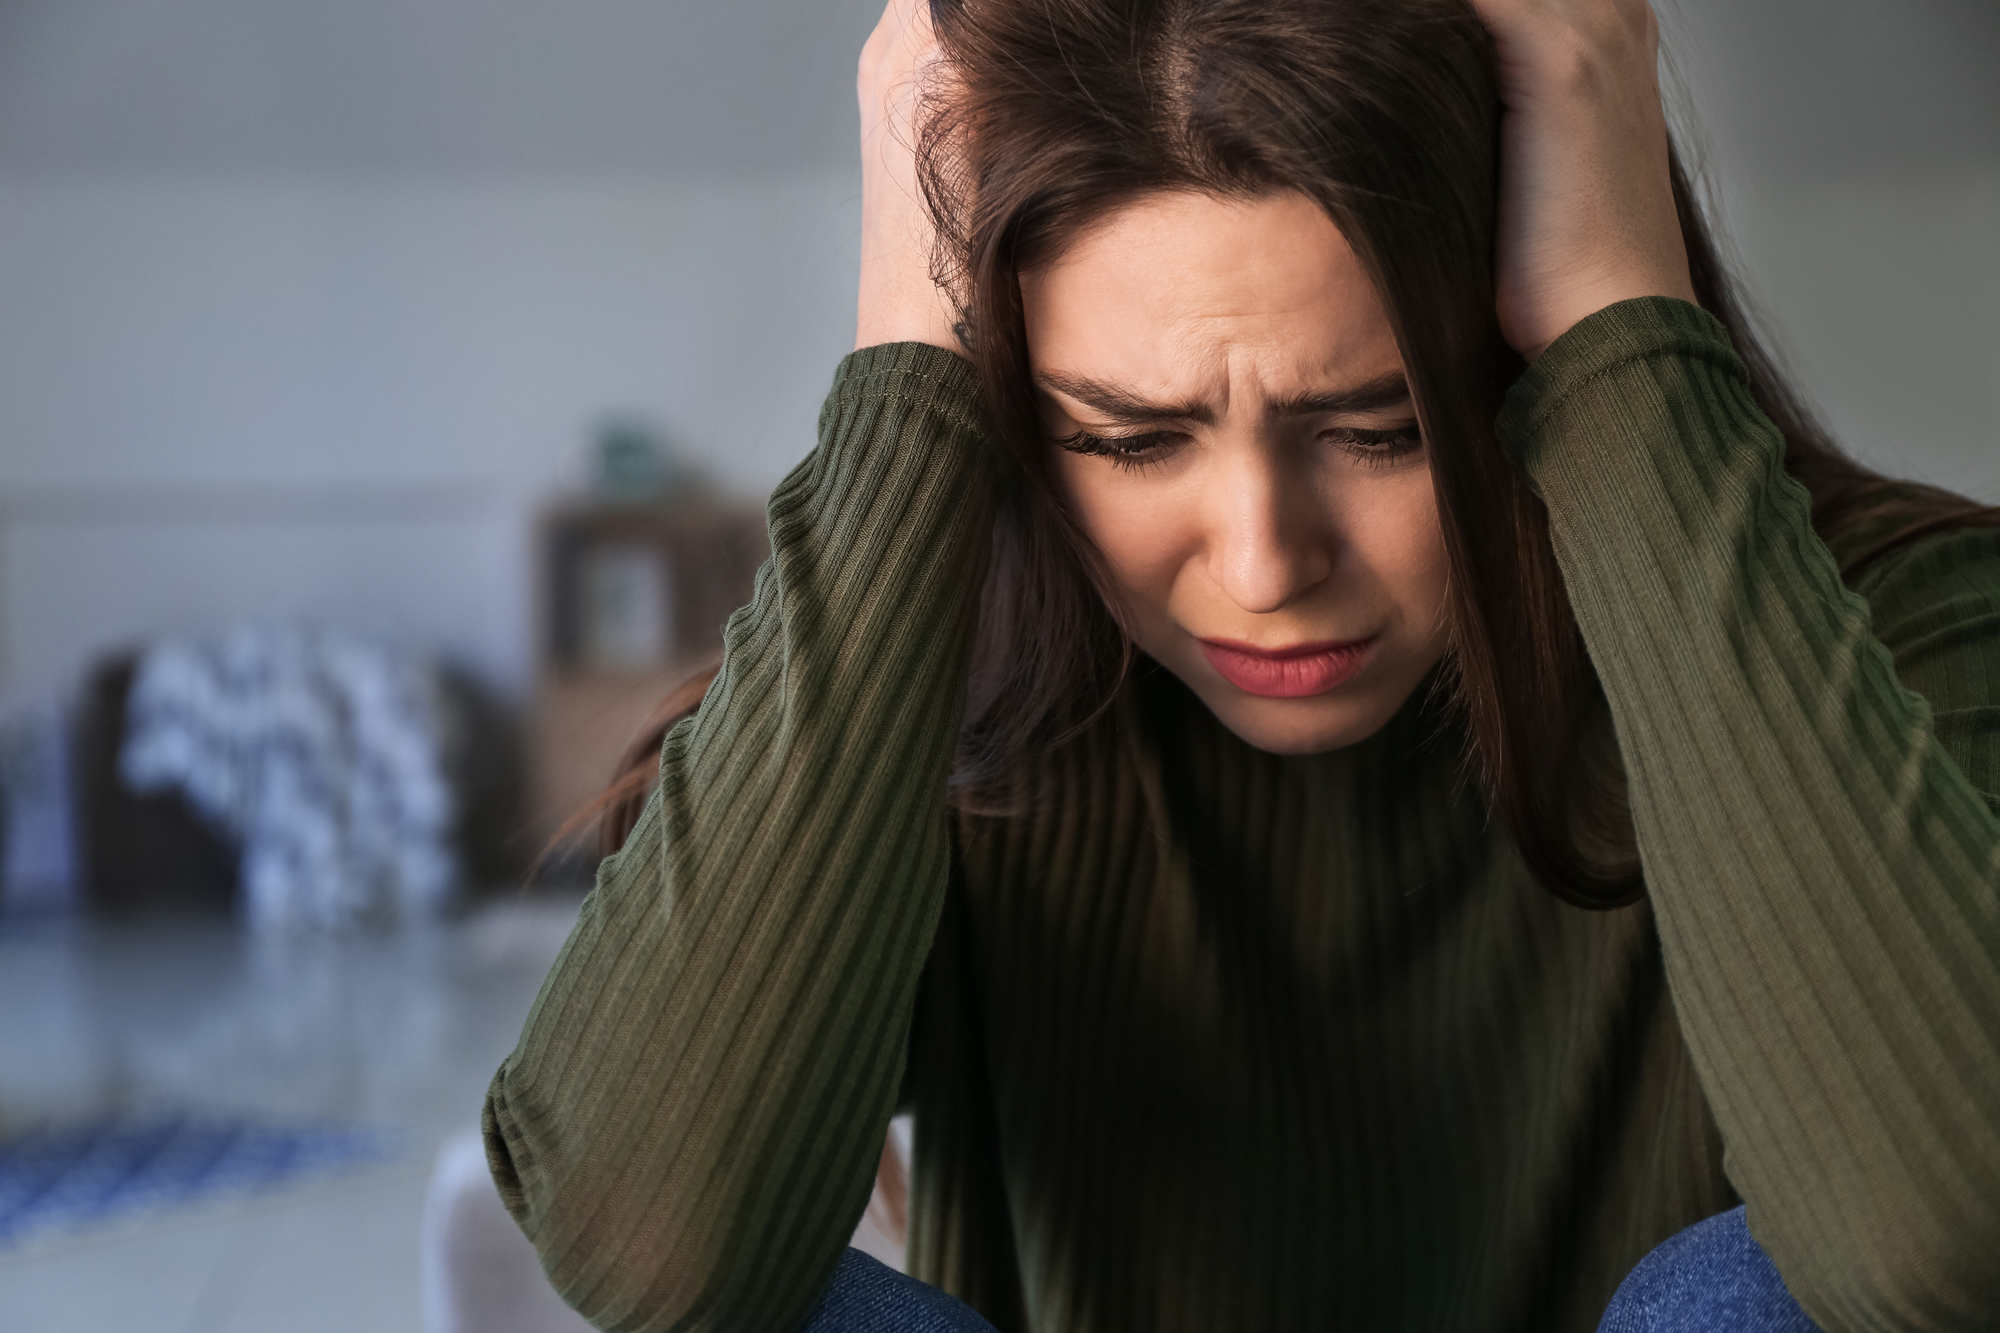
1126,408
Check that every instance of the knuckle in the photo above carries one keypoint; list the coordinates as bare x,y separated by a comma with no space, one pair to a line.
1572,61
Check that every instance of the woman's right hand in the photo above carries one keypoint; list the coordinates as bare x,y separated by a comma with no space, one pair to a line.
1587,213
898,302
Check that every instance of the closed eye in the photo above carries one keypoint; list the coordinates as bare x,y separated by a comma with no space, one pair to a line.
1376,448
1131,452
1369,447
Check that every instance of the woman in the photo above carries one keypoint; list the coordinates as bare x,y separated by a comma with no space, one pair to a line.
1310,856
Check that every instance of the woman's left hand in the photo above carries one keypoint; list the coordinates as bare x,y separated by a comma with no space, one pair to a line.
1586,205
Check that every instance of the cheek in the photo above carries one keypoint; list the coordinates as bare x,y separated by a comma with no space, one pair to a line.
1403,543
1140,532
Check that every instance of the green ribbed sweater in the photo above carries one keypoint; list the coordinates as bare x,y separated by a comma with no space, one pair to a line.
1213,1039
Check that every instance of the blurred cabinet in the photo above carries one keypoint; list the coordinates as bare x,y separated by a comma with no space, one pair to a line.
634,598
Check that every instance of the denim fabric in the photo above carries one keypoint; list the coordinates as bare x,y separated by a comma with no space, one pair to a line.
1711,1278
868,1296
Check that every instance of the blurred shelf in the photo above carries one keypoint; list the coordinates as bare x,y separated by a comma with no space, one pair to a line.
634,598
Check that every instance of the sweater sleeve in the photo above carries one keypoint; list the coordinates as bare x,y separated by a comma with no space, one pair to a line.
690,1124
1815,811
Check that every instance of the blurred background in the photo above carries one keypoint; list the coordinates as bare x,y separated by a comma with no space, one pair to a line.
391,387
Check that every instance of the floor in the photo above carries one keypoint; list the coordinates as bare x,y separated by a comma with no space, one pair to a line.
393,1033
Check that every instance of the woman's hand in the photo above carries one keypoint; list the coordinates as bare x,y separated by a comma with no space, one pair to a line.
899,302
1586,207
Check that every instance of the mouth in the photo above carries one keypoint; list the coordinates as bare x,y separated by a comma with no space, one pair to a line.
1297,672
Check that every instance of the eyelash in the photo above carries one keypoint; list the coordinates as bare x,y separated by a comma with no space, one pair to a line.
1369,448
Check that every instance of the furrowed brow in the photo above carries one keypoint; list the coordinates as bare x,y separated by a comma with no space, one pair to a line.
1384,391
1126,408
1121,406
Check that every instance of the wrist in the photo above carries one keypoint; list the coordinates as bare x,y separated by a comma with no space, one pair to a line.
898,302
1581,304
905,317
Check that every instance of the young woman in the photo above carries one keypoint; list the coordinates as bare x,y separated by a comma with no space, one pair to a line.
1323,719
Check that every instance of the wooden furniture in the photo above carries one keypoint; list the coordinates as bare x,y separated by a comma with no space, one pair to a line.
634,596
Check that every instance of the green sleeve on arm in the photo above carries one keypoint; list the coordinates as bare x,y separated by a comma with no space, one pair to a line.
1819,840
691,1122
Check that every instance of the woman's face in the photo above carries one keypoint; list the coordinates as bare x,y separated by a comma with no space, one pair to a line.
1233,431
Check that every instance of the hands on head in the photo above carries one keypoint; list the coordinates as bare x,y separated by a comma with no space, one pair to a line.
1587,214
899,302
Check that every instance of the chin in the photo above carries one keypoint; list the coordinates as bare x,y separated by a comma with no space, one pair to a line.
1299,726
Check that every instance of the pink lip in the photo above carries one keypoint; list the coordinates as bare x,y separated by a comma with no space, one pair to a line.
1286,673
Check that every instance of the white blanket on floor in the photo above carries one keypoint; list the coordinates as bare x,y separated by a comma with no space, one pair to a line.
320,754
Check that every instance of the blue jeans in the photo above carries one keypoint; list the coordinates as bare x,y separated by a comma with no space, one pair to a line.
868,1296
1711,1278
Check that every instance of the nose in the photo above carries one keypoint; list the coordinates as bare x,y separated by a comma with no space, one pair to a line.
1268,544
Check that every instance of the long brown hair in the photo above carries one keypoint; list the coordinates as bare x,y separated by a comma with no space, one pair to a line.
1385,113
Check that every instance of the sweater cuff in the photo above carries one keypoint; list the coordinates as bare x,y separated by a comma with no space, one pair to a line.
928,376
1644,329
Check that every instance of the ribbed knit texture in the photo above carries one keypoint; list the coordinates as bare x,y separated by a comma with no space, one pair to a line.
1215,1039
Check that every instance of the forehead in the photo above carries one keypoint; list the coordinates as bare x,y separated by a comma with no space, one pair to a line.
1189,293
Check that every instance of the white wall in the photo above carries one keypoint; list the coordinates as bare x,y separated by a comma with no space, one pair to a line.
1855,147
343,398
1885,292
304,306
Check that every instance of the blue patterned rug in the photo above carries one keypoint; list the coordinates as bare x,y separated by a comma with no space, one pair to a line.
62,1181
